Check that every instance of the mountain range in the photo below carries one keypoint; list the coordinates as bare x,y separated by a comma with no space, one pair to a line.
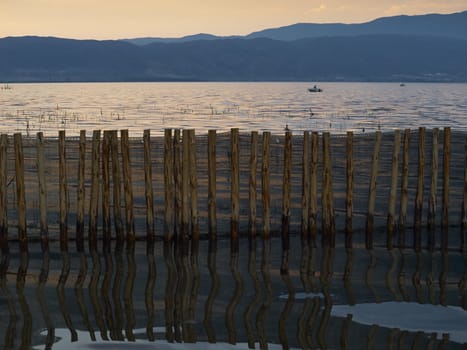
401,48
437,25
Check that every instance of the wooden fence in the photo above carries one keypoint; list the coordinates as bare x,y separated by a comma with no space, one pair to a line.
188,187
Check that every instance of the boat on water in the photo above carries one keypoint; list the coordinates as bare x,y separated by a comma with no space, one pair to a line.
315,89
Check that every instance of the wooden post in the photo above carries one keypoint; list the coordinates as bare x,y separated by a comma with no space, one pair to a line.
177,183
404,180
372,193
20,192
193,186
464,203
117,187
305,184
186,186
420,182
327,199
434,180
265,184
235,187
81,192
349,191
462,245
418,207
286,189
44,230
252,183
94,200
169,186
212,184
148,189
3,194
393,190
313,215
127,186
63,190
446,175
106,223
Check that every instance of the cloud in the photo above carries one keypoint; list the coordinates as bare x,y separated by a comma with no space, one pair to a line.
317,9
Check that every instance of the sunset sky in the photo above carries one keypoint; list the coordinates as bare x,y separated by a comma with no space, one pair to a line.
116,19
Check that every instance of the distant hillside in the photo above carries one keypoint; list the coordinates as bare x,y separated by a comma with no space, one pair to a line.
201,36
450,25
53,59
362,58
359,58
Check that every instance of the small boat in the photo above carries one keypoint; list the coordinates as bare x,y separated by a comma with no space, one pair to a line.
401,84
315,89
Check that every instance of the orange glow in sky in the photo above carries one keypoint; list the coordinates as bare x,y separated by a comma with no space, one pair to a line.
116,19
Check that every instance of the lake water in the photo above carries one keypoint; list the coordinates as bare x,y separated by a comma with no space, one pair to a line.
29,108
213,297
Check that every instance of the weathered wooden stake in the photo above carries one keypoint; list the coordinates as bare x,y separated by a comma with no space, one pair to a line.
464,203
44,230
404,181
349,190
327,197
20,192
235,186
305,185
3,194
419,195
252,184
127,186
117,188
186,186
94,200
421,180
81,192
446,176
313,225
286,190
106,223
434,180
168,186
177,163
63,190
212,185
193,186
393,191
372,193
148,189
265,185
463,233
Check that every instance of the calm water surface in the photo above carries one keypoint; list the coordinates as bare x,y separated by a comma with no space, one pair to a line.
212,297
259,296
29,108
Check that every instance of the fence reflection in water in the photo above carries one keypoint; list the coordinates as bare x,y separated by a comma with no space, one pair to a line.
249,292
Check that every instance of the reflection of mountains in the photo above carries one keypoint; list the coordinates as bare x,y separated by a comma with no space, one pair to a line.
257,294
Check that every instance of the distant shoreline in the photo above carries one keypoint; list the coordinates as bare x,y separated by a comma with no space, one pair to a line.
395,81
